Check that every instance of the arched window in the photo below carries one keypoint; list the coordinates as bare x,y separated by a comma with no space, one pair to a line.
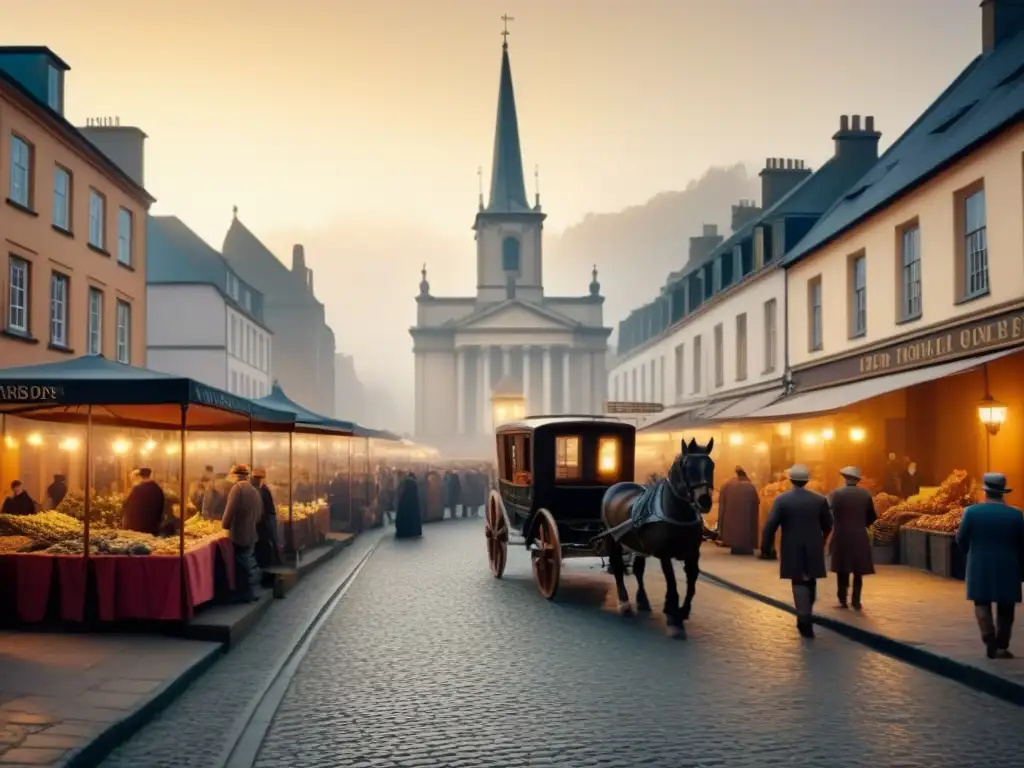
510,254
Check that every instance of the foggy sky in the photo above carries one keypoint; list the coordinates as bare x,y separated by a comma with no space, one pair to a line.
358,127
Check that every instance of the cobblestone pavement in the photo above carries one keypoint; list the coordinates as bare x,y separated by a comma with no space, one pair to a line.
428,661
198,727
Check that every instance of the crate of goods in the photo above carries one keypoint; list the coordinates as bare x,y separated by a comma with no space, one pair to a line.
914,550
944,556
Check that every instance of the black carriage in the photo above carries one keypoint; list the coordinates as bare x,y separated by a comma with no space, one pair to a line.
553,472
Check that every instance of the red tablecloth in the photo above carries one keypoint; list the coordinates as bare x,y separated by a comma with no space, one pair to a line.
127,586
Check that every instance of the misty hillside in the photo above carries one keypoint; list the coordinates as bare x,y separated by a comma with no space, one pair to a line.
635,249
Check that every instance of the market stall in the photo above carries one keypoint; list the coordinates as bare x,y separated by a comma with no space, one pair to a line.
102,452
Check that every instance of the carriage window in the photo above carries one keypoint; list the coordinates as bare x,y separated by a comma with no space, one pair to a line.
567,458
608,457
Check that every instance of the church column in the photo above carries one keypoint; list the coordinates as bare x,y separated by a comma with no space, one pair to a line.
460,390
598,377
566,357
485,391
526,378
420,413
506,361
587,380
546,383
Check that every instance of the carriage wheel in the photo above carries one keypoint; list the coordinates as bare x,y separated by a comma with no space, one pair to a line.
547,557
496,533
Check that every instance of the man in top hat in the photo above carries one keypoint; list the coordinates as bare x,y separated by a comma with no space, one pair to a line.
805,521
242,513
853,510
991,534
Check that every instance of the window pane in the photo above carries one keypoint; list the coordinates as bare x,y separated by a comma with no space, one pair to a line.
17,299
20,167
124,236
567,458
97,212
95,342
58,309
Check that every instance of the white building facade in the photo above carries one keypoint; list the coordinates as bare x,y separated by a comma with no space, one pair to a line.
207,323
551,350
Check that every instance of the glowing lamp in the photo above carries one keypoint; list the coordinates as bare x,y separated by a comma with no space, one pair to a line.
608,456
784,430
810,439
992,414
170,449
857,435
507,402
69,444
10,442
121,447
827,433
761,448
35,439
736,438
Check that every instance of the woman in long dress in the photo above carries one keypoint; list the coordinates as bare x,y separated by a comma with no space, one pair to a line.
408,523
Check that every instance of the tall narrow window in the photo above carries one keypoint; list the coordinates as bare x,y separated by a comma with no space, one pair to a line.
696,364
771,344
654,380
61,198
858,295
814,330
94,343
661,379
97,219
17,295
719,356
910,273
124,236
124,332
510,254
20,190
58,310
635,398
233,349
53,89
567,458
680,385
976,244
643,384
741,347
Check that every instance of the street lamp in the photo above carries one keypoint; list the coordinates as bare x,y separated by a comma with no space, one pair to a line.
507,402
992,414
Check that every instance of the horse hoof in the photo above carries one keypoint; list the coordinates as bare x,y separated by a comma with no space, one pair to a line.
625,609
675,633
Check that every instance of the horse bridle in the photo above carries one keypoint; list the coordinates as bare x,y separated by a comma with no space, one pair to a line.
691,490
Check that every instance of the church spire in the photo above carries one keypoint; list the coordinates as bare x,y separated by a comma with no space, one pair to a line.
508,187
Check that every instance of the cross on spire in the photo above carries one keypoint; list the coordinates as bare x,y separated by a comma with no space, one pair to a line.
505,19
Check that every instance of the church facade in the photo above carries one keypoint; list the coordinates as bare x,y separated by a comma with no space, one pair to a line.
510,337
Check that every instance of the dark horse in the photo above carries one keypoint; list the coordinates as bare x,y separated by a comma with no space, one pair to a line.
664,520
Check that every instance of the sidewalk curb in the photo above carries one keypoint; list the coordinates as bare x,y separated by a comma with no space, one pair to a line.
97,749
966,674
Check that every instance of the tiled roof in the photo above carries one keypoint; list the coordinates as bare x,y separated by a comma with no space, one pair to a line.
984,99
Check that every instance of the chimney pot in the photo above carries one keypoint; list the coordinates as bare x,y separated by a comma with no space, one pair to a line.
789,163
869,123
856,122
767,162
844,123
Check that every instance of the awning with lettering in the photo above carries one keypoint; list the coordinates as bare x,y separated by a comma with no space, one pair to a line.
124,395
838,397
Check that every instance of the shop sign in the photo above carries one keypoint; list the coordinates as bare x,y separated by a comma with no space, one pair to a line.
973,338
217,399
617,406
30,393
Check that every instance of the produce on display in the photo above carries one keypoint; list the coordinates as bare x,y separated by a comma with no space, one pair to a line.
104,509
9,544
953,494
300,510
48,526
884,501
945,523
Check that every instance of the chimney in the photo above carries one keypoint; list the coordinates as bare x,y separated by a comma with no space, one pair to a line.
309,280
122,144
743,212
299,261
857,144
1000,20
702,245
779,176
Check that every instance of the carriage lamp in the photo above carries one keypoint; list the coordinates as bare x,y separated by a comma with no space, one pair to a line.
992,414
608,457
857,435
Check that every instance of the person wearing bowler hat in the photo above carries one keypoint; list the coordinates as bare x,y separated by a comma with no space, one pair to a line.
806,521
853,510
991,534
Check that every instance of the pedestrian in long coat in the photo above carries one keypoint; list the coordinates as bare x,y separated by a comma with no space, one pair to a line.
991,534
806,521
453,492
739,508
408,523
853,510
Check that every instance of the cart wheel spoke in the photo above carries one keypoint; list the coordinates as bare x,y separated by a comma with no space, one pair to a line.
496,535
547,557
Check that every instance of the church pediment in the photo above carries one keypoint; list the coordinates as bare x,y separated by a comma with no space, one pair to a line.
516,315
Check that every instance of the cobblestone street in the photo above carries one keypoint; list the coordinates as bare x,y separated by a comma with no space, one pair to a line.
428,661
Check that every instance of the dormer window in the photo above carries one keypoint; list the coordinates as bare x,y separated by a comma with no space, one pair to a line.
53,88
510,254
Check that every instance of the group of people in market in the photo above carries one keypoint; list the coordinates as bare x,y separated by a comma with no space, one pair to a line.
991,535
464,495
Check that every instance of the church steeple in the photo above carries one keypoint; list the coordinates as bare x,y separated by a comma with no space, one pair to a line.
508,187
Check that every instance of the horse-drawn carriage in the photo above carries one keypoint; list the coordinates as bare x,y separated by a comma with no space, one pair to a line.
553,473
565,490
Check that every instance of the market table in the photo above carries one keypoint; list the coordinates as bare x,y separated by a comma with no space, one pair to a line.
308,531
128,587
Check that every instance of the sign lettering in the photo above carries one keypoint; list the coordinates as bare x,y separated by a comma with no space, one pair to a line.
627,407
30,393
971,338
